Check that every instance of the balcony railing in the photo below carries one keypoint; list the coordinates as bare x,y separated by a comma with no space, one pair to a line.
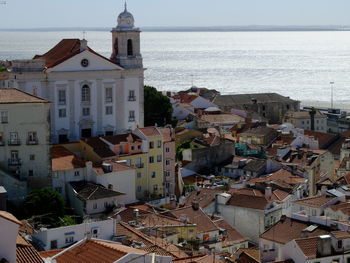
62,102
139,165
14,162
132,98
13,142
131,119
32,142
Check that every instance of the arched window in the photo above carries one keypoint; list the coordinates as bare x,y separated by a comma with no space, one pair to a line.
130,50
85,93
116,46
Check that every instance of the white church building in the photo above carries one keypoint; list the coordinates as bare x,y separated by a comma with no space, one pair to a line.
91,95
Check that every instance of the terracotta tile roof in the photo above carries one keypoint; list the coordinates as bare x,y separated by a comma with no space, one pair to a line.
10,217
314,201
341,234
251,252
247,191
25,252
222,118
308,246
232,235
127,214
50,253
204,196
64,50
99,147
200,259
62,159
151,244
90,191
92,251
116,167
120,138
286,230
185,98
324,139
342,207
12,96
167,134
198,217
153,220
259,131
281,175
248,201
150,131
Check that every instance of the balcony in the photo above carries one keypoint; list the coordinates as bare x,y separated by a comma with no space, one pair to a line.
32,141
139,165
14,142
14,162
62,102
131,119
132,98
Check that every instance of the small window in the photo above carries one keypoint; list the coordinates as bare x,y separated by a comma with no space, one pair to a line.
69,239
109,110
109,95
139,175
86,111
167,149
76,173
155,188
62,97
131,116
340,243
130,48
167,162
139,188
53,244
62,113
151,145
132,148
30,173
159,144
159,158
151,159
132,96
32,157
153,174
4,117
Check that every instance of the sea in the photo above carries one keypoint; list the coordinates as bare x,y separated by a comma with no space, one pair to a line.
298,64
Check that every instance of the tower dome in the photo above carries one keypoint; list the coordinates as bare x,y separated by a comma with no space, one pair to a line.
125,20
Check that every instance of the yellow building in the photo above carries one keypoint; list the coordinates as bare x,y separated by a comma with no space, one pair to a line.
142,149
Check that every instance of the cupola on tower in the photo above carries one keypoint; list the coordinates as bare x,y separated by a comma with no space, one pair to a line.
126,42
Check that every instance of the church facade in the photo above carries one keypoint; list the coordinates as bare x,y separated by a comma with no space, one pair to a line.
91,95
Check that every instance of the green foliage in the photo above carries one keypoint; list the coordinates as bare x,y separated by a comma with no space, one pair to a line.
46,203
183,146
158,109
67,221
2,68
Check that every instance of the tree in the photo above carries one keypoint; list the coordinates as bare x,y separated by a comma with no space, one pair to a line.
45,202
158,109
2,68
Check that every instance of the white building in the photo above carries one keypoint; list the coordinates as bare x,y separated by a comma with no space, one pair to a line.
60,237
91,94
302,119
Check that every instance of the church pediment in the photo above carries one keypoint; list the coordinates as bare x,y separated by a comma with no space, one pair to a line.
87,60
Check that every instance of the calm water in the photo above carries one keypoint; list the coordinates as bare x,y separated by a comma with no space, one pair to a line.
296,64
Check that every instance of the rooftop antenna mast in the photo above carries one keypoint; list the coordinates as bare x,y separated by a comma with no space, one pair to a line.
332,90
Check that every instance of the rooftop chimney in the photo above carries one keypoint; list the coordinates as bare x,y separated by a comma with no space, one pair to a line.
83,45
268,192
324,246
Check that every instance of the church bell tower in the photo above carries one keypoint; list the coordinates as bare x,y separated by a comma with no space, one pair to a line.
126,42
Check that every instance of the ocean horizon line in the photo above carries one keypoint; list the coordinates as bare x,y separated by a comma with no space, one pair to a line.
246,28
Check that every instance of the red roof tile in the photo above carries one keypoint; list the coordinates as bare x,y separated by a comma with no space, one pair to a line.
62,159
10,217
314,201
150,131
308,246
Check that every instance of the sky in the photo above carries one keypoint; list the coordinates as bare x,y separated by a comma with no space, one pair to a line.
103,13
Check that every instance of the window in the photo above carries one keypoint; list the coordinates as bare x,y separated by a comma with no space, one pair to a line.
139,175
62,97
151,159
109,95
159,144
95,206
130,48
14,139
155,188
85,93
132,148
109,110
159,158
32,137
167,173
167,162
32,157
53,244
4,117
30,173
2,139
340,243
131,95
167,185
69,239
76,173
167,149
62,113
131,115
139,147
139,188
153,174
86,111
151,145
313,212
